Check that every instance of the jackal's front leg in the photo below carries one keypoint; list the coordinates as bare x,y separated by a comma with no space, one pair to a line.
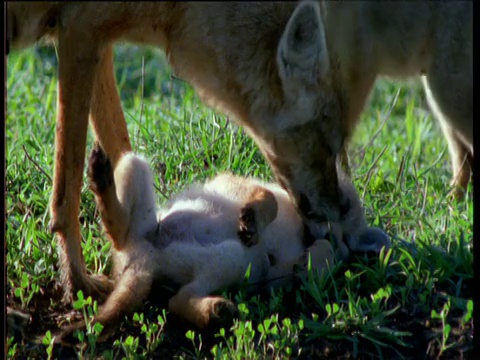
78,64
106,115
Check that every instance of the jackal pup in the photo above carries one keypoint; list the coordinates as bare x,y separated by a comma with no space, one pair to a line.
204,239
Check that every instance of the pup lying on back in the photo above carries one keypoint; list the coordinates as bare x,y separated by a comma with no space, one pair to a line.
204,239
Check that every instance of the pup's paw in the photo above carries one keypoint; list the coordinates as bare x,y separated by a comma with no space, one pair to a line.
100,172
322,254
222,314
247,227
335,234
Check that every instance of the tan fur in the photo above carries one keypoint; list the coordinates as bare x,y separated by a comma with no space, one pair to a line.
193,240
295,75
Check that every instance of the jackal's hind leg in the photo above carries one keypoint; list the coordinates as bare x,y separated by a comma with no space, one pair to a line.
462,165
452,105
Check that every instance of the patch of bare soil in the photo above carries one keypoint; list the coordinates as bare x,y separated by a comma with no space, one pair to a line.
47,312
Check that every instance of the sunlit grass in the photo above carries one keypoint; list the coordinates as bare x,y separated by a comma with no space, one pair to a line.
390,307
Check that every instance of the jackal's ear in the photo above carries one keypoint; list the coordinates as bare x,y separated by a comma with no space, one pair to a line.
302,51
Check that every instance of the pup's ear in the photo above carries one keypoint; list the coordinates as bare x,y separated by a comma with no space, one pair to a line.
302,51
265,206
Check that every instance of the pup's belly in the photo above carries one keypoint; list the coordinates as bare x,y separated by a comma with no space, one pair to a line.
200,221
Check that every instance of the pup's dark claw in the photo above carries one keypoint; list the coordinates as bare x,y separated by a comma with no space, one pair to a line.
247,227
100,172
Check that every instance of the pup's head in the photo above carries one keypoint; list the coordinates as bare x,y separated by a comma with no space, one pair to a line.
30,22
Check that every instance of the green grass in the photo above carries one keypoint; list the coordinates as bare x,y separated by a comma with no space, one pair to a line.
414,301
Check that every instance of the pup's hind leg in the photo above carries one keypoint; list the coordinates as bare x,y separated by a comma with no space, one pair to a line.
125,197
215,268
130,292
193,304
259,211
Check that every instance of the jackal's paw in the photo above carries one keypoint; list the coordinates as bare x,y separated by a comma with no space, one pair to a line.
223,312
247,227
99,171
